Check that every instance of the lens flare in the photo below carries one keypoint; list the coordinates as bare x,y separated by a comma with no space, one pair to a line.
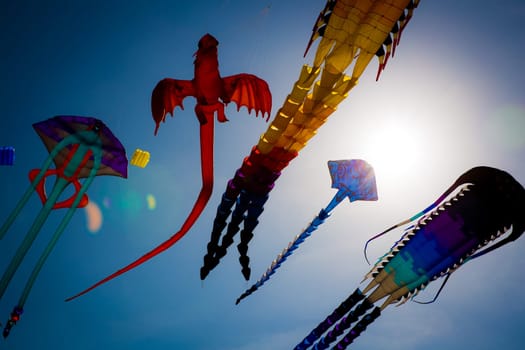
93,216
152,202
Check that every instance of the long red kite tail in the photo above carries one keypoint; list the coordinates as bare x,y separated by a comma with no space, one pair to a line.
198,207
134,264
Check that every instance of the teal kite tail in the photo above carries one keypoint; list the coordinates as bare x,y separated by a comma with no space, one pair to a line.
31,235
54,239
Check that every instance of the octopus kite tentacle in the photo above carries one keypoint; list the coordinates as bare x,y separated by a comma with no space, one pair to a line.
486,204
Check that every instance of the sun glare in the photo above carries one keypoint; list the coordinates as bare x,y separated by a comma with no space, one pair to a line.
393,149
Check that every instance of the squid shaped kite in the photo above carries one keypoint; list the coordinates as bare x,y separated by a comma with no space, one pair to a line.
351,34
212,93
354,180
486,211
80,148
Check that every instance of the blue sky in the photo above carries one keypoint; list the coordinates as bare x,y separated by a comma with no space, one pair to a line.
451,99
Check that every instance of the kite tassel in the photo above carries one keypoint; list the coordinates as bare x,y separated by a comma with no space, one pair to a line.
13,319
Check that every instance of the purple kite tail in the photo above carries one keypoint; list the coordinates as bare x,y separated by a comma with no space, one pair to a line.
335,316
345,323
292,246
358,329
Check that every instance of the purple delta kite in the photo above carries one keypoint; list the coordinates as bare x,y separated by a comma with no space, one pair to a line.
80,148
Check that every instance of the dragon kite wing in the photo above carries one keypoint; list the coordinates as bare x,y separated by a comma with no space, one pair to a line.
168,94
250,91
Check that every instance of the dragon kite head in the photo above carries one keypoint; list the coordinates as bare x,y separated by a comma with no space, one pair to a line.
208,41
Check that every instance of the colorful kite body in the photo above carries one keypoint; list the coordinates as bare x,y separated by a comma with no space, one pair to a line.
484,213
354,180
352,33
212,93
80,148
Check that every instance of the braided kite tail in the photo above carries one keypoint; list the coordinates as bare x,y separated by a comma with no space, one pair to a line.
250,222
335,316
345,323
292,246
246,202
223,212
358,329
242,247
211,260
